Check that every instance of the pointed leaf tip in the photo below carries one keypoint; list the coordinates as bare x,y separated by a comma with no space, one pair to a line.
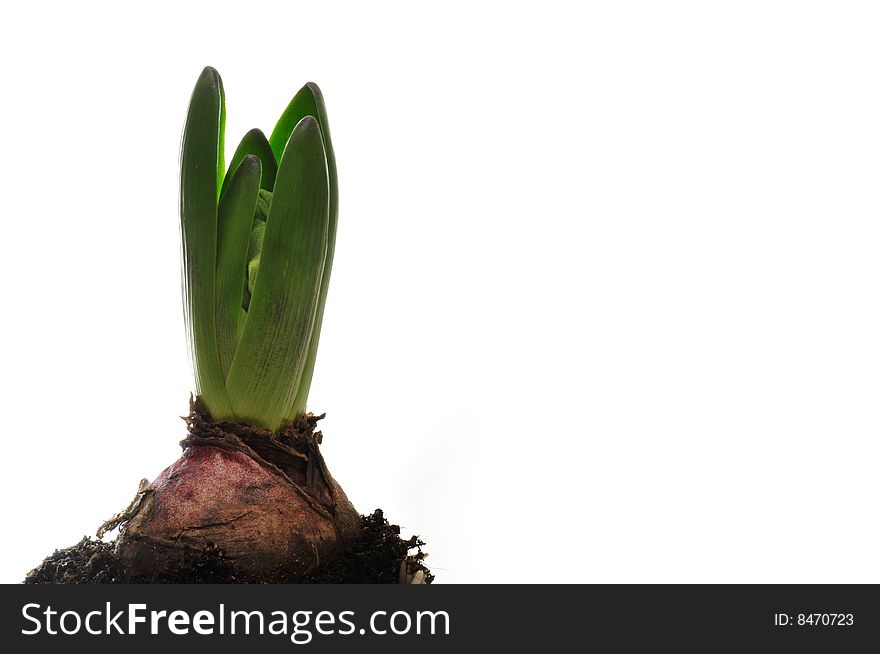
250,161
307,102
308,122
254,143
210,77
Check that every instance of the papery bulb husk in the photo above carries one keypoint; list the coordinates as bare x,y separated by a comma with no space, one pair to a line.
267,501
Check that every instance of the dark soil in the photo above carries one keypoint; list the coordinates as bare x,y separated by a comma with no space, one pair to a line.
377,558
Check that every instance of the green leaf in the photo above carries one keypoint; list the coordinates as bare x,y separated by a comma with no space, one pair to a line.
254,143
201,169
236,216
270,357
309,101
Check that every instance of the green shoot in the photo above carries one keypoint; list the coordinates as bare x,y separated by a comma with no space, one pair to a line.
310,101
235,219
258,245
201,170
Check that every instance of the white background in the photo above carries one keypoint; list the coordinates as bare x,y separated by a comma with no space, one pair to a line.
605,302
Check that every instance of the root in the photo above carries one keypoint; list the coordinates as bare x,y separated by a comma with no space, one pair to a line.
145,489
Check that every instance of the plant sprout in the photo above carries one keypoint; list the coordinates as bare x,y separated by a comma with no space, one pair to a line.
258,242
